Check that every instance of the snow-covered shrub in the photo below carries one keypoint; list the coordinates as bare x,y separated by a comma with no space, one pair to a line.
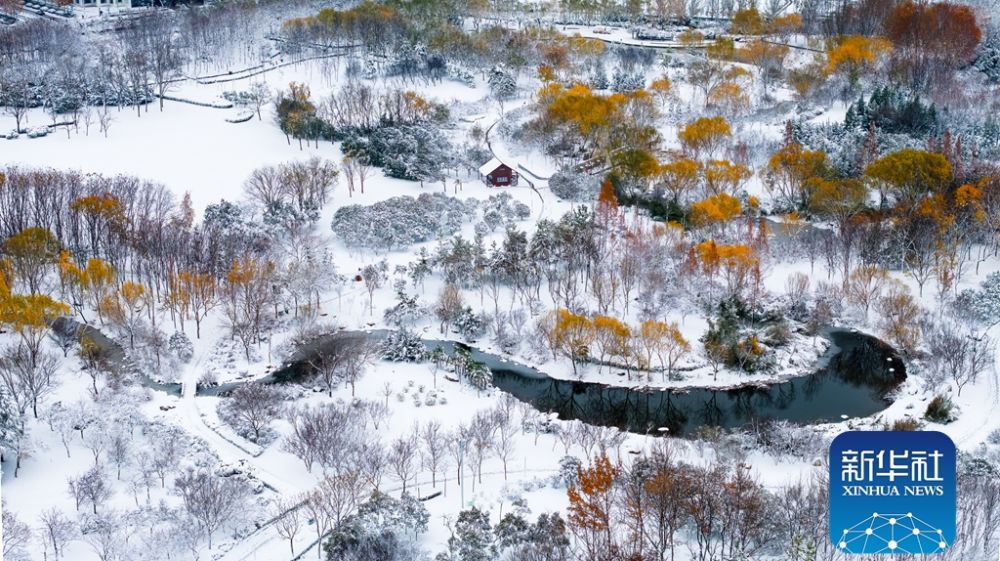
626,82
982,304
988,60
506,330
571,185
569,469
470,324
503,210
463,76
208,379
398,222
503,86
940,410
383,528
405,312
181,347
417,152
781,438
282,215
599,78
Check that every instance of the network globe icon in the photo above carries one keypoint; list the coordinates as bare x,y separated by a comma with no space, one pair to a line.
892,534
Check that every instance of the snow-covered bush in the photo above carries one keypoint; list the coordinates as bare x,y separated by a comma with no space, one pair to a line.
383,528
418,152
405,312
625,82
503,210
982,304
599,78
503,86
569,469
181,347
940,410
988,61
282,215
398,222
470,324
574,186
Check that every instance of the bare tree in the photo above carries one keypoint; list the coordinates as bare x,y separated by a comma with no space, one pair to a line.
260,95
104,536
164,54
315,505
265,185
340,495
28,379
288,521
97,441
212,501
377,412
449,305
90,487
481,438
434,447
357,353
166,451
373,460
506,431
981,350
119,449
57,529
104,118
401,455
16,536
374,276
255,405
325,435
16,94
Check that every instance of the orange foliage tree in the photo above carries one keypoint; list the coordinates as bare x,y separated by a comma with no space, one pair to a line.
591,506
715,211
30,315
932,39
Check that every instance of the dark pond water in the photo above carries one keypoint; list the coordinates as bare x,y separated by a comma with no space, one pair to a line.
853,378
112,352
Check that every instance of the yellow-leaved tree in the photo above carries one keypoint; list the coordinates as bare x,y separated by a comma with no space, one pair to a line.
30,316
909,174
705,136
572,334
850,55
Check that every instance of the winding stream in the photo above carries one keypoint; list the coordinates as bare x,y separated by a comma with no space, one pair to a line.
853,379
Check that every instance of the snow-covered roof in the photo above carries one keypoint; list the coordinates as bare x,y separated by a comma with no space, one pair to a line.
489,166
